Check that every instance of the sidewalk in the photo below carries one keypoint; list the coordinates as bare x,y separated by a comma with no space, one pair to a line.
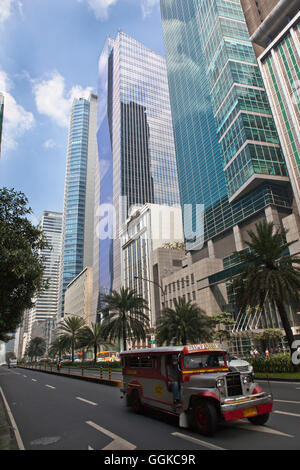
7,435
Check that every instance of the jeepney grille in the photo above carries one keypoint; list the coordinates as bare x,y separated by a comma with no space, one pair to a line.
234,386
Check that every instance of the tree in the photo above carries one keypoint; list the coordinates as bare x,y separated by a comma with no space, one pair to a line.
269,337
36,348
21,269
219,320
186,323
69,330
59,346
125,316
268,271
92,337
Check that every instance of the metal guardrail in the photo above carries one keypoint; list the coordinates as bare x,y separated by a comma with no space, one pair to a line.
80,375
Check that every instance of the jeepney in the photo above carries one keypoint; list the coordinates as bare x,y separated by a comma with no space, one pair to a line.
210,392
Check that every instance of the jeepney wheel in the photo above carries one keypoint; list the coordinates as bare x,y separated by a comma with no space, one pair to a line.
136,402
204,417
260,420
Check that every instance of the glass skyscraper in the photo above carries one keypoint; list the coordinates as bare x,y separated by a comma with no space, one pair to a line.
135,139
79,199
228,152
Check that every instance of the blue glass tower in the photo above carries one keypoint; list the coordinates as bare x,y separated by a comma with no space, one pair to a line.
228,152
79,199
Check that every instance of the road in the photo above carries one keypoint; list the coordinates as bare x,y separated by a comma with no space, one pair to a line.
59,413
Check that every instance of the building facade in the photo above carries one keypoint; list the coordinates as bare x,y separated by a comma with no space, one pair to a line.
148,228
79,296
229,154
79,198
46,303
276,40
135,138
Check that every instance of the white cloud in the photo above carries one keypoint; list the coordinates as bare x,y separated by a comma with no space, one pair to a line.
49,144
100,7
148,6
16,119
6,9
54,101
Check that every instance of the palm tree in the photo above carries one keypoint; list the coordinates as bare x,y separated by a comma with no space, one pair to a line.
92,337
70,328
268,271
125,316
186,323
59,346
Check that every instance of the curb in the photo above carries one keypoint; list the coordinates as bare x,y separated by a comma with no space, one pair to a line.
110,382
276,379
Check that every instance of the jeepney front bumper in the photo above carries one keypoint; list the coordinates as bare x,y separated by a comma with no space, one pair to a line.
247,407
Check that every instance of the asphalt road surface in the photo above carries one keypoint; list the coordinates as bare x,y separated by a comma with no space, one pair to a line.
60,413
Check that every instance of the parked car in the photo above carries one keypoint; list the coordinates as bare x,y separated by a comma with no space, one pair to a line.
13,363
239,364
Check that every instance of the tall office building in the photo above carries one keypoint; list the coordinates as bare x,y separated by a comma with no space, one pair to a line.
46,303
229,156
228,152
1,117
135,138
79,199
274,26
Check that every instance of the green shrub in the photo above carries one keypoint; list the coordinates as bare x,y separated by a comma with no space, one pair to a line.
276,363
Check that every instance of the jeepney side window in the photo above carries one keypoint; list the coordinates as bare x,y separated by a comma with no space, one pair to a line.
146,362
133,362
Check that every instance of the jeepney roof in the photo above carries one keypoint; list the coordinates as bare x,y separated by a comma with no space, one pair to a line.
188,349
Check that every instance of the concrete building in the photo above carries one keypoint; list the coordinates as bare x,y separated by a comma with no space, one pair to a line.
135,138
79,296
46,304
148,228
79,198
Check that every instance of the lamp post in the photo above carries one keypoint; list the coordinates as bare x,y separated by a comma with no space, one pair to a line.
155,283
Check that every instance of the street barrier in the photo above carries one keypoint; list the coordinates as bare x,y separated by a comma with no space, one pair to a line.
101,380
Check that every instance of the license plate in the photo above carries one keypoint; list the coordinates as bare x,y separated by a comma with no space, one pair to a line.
250,412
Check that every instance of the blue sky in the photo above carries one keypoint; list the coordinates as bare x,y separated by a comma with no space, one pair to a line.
49,52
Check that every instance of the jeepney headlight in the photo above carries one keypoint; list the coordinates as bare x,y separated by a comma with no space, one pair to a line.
220,383
247,379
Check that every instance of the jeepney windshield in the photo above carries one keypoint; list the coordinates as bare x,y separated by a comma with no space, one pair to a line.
204,361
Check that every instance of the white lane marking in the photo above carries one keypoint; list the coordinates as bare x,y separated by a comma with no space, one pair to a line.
87,401
197,441
25,376
288,401
34,380
117,444
90,448
287,414
50,386
13,423
264,429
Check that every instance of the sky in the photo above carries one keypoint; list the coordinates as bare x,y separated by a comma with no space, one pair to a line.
49,52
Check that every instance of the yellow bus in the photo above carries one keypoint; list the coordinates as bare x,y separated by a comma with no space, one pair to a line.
108,356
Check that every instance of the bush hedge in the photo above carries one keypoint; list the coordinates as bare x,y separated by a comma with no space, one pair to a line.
276,363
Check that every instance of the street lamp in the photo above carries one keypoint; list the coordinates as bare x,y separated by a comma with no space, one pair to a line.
153,282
